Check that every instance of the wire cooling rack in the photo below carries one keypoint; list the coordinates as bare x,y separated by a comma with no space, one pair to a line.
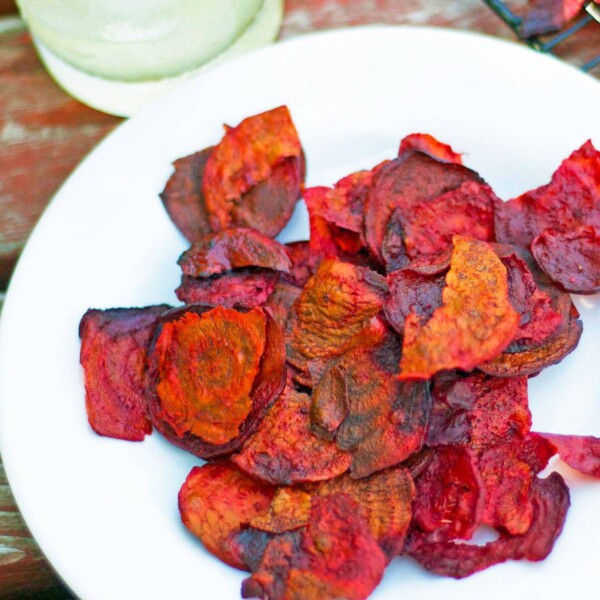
591,16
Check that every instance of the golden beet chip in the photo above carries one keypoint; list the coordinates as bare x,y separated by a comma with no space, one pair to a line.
429,145
336,305
216,501
233,249
284,451
197,356
246,156
335,556
114,347
475,323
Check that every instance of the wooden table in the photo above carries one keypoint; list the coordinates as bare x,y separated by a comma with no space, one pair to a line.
44,134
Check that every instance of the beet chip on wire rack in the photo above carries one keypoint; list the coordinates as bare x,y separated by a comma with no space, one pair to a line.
363,394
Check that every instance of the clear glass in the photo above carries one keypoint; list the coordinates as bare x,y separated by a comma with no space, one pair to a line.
86,43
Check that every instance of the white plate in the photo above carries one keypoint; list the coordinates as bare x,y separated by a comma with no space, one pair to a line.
105,511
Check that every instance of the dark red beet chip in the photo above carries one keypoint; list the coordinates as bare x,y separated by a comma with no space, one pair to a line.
570,200
239,289
449,496
183,198
571,258
114,346
233,249
305,262
550,499
580,452
402,183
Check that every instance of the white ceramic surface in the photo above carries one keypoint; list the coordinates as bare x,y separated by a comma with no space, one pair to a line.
105,511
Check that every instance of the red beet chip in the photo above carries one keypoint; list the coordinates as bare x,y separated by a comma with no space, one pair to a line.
183,198
538,319
478,411
571,258
550,501
342,205
197,353
335,556
114,346
546,16
284,451
233,249
508,471
580,452
467,210
429,145
216,502
248,155
570,200
412,293
449,497
305,262
386,419
400,184
238,289
529,357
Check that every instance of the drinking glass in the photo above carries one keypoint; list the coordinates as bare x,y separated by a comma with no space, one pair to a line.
116,55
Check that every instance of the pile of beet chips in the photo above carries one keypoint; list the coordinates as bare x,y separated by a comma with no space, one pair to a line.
363,394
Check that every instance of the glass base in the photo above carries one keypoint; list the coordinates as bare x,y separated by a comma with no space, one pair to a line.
125,99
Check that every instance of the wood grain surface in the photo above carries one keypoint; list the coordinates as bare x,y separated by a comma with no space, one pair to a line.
44,134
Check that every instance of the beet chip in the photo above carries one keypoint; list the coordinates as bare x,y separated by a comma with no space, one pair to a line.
478,411
467,210
246,156
289,510
508,471
429,145
305,262
570,200
284,451
197,355
449,495
386,419
238,289
400,184
550,501
183,198
529,358
281,300
114,345
571,258
412,293
546,16
476,321
385,499
335,556
233,249
334,312
216,501
580,452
